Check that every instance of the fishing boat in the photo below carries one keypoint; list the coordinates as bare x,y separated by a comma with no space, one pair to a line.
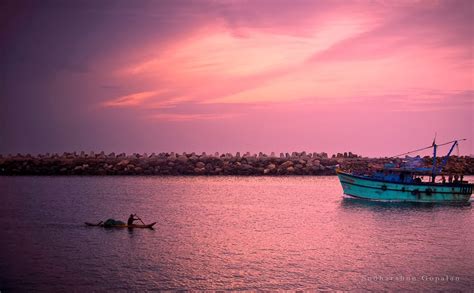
112,223
100,224
406,183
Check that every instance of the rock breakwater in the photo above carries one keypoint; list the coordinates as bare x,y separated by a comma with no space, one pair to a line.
296,163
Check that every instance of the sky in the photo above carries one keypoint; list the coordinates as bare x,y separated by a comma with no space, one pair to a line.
376,78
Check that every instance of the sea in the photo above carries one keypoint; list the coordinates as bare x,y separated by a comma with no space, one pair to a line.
226,233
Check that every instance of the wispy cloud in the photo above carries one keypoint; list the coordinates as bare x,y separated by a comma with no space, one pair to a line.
130,100
384,46
175,117
354,53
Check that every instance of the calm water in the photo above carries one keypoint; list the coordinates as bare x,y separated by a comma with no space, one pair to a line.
225,233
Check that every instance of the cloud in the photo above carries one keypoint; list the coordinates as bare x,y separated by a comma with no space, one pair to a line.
249,55
431,25
175,117
216,51
130,100
214,64
411,100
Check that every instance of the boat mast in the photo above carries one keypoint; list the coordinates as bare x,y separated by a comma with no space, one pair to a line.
445,159
433,170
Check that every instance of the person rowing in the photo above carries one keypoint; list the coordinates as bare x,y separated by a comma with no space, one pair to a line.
131,219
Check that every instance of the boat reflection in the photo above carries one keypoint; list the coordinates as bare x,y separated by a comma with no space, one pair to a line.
359,203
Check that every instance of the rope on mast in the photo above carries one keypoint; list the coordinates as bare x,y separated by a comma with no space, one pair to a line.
425,148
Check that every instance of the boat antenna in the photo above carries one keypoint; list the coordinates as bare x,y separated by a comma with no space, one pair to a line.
434,156
428,147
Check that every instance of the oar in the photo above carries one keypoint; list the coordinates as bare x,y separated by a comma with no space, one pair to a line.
139,219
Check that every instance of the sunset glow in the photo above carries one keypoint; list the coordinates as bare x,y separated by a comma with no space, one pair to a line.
373,78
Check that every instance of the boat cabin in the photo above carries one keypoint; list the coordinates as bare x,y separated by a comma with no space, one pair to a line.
400,175
394,174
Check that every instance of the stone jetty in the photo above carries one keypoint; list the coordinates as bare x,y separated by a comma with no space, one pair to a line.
296,163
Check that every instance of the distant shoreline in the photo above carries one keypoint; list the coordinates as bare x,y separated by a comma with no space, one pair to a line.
189,164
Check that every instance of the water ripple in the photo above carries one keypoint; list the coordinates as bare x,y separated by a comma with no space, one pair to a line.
225,233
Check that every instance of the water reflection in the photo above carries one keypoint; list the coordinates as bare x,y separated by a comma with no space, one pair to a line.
358,203
235,233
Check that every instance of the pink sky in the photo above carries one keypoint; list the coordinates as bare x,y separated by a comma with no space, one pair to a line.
372,77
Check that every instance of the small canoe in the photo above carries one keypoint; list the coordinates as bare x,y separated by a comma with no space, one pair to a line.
149,226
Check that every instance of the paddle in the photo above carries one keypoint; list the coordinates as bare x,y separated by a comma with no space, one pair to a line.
139,219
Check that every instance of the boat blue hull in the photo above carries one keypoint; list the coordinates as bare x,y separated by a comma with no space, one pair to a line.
373,189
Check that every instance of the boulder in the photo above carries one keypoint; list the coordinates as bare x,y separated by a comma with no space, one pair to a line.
246,167
200,165
251,159
123,163
183,159
286,164
199,170
271,166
